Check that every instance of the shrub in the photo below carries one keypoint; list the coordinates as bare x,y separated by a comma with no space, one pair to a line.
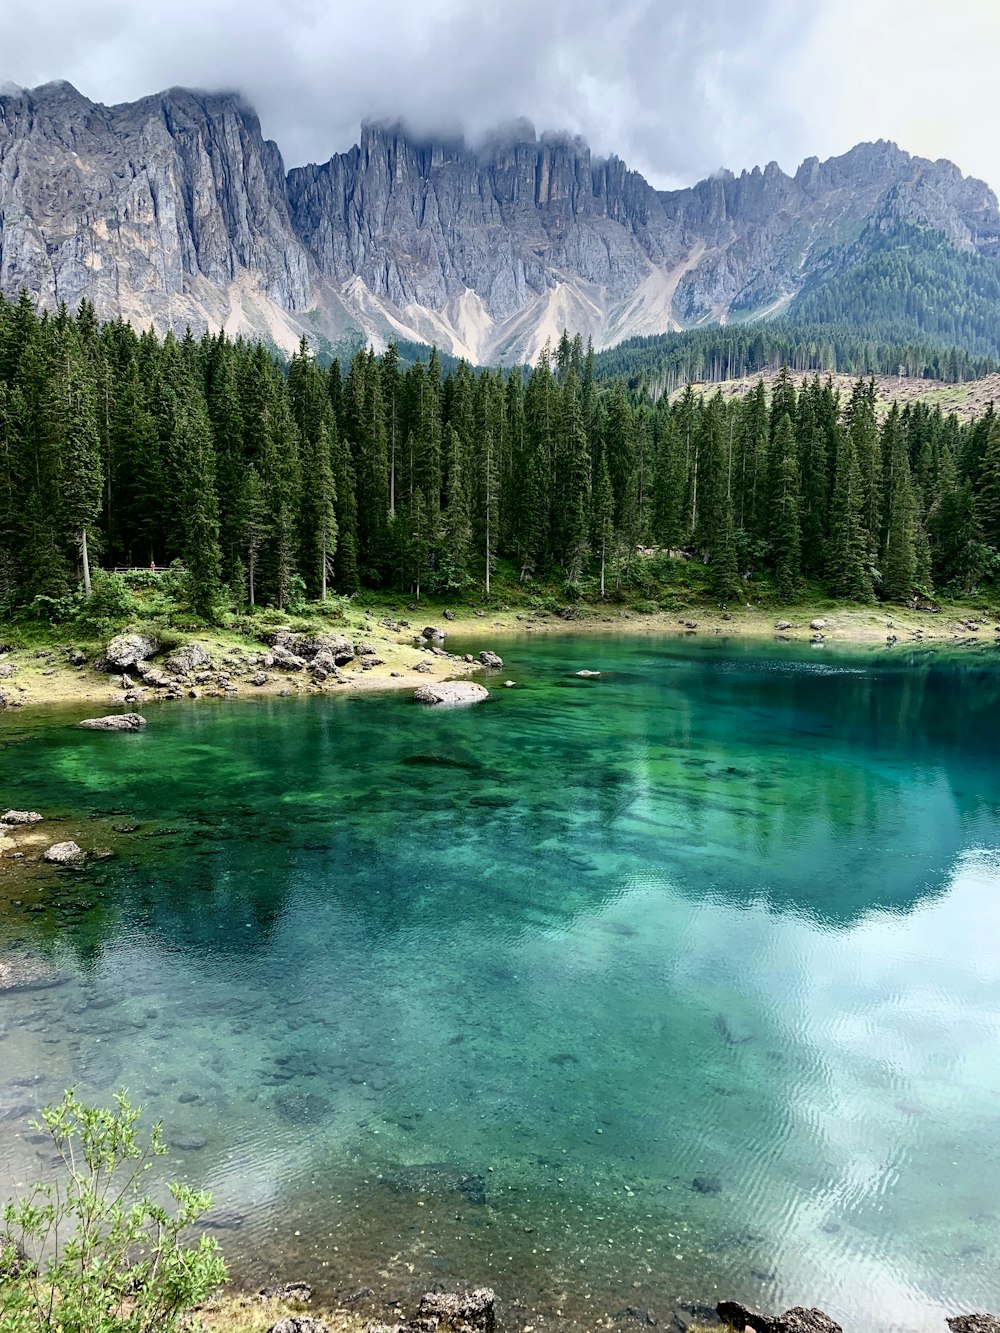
92,1252
109,603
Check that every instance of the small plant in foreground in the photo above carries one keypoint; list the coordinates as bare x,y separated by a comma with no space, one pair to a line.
92,1253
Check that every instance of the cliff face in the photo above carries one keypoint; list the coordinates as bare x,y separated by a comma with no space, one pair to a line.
176,210
150,210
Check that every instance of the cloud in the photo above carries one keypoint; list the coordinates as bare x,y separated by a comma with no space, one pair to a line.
676,87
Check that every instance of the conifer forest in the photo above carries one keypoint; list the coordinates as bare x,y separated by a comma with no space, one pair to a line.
272,483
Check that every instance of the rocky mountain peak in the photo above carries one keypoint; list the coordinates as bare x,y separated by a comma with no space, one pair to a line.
175,209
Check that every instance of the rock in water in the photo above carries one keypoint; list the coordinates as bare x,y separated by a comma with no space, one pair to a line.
451,692
62,853
127,650
287,1291
432,632
489,659
21,817
588,675
116,722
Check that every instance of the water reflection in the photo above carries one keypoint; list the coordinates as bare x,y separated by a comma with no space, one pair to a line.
682,977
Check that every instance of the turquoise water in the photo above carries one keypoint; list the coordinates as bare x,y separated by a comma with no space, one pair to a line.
675,985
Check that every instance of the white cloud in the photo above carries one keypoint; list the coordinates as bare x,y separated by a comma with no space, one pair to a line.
676,87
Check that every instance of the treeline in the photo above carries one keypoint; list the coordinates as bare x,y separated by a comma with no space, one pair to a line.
662,363
274,483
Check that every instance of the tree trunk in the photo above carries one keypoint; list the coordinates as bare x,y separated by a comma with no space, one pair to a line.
86,561
323,595
250,577
603,547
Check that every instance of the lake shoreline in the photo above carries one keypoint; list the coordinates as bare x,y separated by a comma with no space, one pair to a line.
36,678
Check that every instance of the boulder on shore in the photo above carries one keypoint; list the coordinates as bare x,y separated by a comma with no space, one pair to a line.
449,1312
297,1323
62,853
818,623
126,650
451,692
21,817
796,1320
116,722
432,632
459,1311
182,661
307,646
973,1323
489,659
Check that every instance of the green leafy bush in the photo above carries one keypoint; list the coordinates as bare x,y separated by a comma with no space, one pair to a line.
92,1253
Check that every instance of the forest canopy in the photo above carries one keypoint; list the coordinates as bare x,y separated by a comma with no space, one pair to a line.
274,482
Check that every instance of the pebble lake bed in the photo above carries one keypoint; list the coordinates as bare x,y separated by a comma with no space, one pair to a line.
619,993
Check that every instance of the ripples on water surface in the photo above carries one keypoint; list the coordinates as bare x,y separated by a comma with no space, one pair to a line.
678,984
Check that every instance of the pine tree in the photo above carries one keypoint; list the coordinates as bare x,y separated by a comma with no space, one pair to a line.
899,561
254,527
846,570
198,505
456,525
71,415
668,487
576,497
785,540
603,517
318,541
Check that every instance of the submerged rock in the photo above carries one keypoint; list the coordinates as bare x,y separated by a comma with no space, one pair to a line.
17,974
438,1178
490,659
706,1185
116,722
451,692
21,817
587,675
62,853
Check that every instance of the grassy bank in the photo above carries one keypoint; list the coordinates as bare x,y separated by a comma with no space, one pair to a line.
41,663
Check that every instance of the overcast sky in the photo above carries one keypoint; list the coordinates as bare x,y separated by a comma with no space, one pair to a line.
678,88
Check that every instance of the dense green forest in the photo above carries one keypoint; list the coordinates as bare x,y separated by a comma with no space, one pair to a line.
665,362
275,483
912,279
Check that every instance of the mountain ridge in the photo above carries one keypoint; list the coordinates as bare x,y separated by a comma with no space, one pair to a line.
175,210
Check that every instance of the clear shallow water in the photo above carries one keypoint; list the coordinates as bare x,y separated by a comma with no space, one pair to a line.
679,984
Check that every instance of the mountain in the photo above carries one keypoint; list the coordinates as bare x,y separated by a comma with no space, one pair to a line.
175,210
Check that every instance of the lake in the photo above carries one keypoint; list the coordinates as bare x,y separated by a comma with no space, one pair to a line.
637,992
